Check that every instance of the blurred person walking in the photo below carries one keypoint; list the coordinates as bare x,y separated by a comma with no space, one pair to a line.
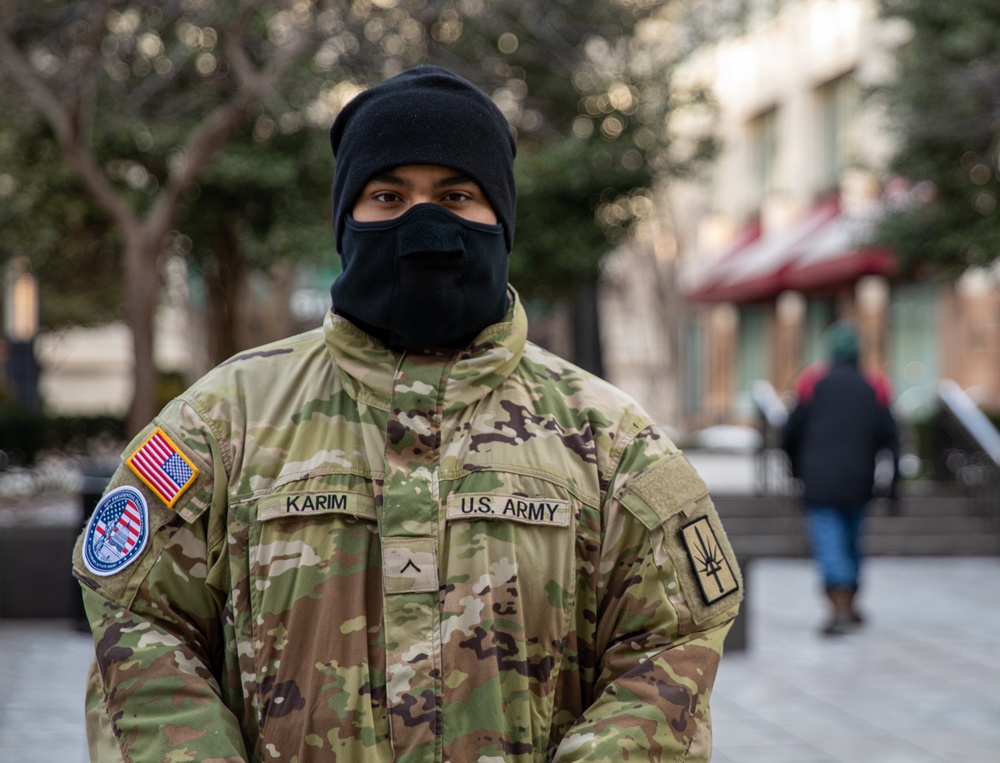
840,423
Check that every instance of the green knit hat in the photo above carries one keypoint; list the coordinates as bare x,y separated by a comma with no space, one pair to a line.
842,342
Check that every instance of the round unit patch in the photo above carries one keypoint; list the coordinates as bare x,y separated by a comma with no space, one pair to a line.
117,532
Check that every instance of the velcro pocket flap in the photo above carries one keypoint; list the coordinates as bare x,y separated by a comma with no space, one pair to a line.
658,493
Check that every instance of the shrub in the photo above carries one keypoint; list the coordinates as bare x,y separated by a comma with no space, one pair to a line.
25,433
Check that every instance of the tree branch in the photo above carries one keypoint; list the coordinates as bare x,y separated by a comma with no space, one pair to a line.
212,134
42,98
86,97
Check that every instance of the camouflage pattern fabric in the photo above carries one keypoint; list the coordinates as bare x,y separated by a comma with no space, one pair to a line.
484,556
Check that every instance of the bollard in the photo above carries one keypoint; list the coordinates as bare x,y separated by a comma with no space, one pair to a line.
736,639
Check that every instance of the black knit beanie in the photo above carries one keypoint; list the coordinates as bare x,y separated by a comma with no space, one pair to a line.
426,115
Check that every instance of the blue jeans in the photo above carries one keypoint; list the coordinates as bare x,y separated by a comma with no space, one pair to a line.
835,537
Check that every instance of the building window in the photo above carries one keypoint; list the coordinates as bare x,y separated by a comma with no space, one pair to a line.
758,13
694,378
913,356
839,103
820,313
752,356
764,153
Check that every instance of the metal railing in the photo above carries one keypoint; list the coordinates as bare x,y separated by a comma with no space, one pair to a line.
773,472
972,454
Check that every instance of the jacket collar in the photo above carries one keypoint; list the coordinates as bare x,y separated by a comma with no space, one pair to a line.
369,370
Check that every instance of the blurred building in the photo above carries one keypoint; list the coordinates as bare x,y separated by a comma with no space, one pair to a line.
771,240
89,370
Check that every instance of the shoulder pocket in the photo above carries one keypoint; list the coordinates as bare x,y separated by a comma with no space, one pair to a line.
671,500
165,484
662,490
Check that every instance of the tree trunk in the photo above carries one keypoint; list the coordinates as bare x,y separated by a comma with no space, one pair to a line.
671,319
142,286
225,277
143,238
587,351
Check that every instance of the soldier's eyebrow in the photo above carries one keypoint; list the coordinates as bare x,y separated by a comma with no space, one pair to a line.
453,180
388,178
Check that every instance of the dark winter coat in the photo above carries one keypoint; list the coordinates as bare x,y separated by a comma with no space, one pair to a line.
841,421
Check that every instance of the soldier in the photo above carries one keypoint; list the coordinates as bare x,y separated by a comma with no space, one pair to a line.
411,534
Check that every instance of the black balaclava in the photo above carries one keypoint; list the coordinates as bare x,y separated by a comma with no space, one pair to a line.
428,277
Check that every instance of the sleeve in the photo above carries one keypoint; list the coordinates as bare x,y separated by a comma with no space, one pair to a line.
806,382
672,591
151,562
882,386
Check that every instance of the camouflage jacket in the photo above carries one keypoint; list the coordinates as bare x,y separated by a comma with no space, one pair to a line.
487,556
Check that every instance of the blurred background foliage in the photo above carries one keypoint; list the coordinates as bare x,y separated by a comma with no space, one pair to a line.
46,215
590,106
140,130
944,106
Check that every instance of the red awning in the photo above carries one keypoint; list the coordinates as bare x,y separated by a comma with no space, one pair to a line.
823,250
837,255
704,278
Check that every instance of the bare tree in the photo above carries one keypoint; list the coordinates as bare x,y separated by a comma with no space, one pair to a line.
146,97
63,85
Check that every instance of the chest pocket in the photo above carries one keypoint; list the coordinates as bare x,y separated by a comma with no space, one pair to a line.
313,545
509,578
307,537
314,570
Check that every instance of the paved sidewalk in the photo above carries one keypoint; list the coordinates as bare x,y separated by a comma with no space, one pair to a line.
43,672
920,683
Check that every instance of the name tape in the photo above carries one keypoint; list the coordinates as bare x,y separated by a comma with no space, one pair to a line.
308,504
535,511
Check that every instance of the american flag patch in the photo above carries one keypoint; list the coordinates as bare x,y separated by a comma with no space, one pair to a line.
163,467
